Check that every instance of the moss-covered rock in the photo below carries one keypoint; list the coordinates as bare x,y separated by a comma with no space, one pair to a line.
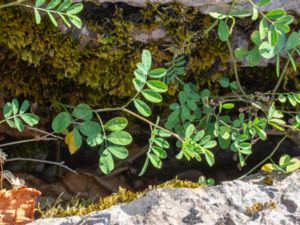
80,207
42,63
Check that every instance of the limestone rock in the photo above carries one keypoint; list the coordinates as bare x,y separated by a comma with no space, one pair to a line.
212,5
240,202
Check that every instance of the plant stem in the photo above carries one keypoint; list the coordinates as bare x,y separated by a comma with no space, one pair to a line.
44,138
44,132
108,110
60,164
9,118
151,123
236,74
261,13
44,10
103,130
1,175
282,75
266,159
10,4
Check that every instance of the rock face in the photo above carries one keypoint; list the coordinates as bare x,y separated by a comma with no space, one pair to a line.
240,202
212,5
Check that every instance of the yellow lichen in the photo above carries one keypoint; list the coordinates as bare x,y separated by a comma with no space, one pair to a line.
259,206
268,180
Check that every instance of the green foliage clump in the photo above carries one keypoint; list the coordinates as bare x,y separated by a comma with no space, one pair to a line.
200,120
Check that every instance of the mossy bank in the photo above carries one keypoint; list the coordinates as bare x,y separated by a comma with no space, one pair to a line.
46,65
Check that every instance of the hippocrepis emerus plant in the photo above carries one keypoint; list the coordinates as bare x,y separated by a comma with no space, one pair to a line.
110,137
66,10
262,112
16,116
199,121
83,124
258,114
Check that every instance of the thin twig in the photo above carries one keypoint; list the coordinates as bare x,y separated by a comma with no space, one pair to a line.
60,164
266,159
16,3
282,75
27,141
236,74
1,175
45,132
151,123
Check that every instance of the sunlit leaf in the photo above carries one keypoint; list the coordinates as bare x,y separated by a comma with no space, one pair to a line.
74,9
94,140
53,20
152,96
263,28
53,4
155,160
65,5
209,156
116,124
37,16
295,165
15,106
161,142
106,162
24,107
120,138
119,152
189,131
30,119
158,73
142,107
147,59
7,110
65,20
160,152
39,3
157,85
19,125
75,20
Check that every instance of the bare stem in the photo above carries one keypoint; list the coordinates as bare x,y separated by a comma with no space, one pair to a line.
45,132
10,4
60,164
236,74
282,74
266,159
44,138
151,123
1,175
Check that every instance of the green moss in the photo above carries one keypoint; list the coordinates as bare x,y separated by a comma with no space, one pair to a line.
43,64
80,207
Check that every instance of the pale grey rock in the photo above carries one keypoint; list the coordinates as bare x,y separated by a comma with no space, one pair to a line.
211,5
155,34
223,204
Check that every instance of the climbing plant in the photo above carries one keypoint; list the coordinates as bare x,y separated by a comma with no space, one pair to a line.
16,115
199,121
66,10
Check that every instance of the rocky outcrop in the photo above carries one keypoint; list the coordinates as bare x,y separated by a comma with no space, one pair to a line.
241,202
211,5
